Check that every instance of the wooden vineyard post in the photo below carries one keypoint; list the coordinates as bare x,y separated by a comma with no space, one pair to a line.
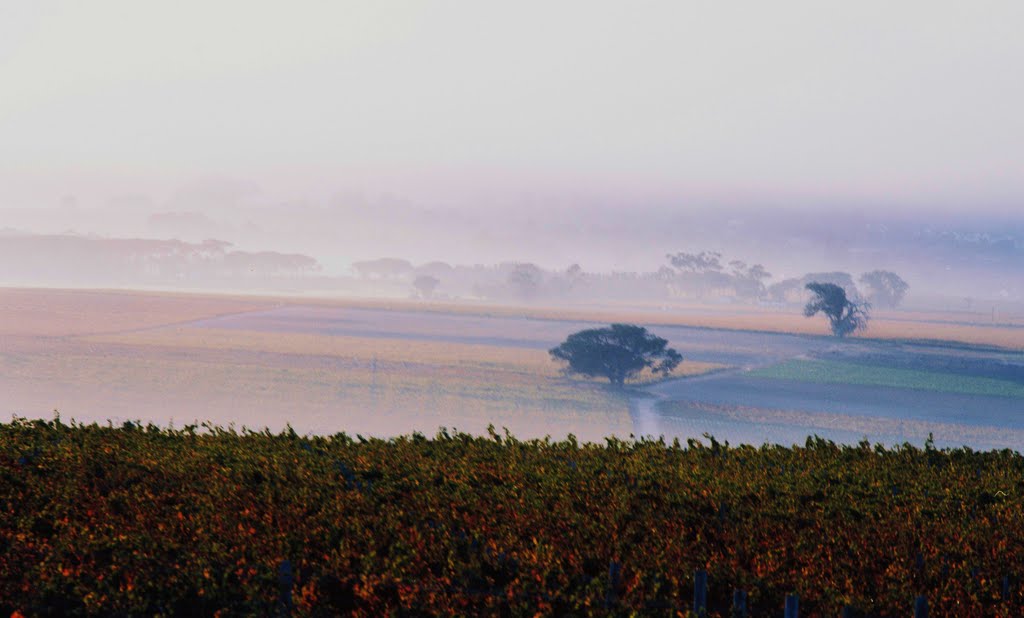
1004,591
700,593
792,606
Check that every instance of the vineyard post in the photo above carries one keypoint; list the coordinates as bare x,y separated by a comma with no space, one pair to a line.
700,592
792,606
847,612
1005,588
739,604
284,583
921,607
613,582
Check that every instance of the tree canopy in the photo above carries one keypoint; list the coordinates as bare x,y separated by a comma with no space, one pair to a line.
425,285
844,315
526,279
619,352
885,288
703,262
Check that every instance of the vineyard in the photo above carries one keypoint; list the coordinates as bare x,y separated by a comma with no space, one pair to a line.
138,520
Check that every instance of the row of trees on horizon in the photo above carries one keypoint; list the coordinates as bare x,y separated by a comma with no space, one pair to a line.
703,276
95,260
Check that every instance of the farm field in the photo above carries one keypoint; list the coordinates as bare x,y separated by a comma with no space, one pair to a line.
834,372
972,328
167,365
27,312
390,368
975,398
889,393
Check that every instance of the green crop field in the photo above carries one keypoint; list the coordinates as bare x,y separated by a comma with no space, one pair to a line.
831,372
138,520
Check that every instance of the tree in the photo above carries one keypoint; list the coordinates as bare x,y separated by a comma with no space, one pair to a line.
844,315
666,277
574,274
268,263
525,279
885,288
749,280
425,285
700,273
436,269
840,278
618,353
703,262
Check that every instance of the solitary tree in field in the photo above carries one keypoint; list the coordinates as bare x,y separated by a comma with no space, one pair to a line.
885,288
618,353
844,315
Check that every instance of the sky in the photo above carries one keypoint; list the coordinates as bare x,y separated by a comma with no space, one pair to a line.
489,105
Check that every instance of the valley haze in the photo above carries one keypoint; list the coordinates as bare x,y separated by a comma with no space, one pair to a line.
576,308
275,204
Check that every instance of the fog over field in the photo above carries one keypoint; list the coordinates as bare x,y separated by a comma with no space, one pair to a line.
681,165
808,137
601,237
456,308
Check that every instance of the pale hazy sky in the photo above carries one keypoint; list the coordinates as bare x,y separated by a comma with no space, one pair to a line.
813,102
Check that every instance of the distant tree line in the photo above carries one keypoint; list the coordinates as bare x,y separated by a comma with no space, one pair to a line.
59,258
704,276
